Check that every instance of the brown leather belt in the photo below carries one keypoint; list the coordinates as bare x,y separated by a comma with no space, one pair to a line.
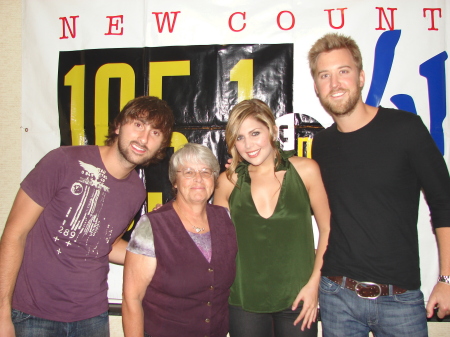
367,289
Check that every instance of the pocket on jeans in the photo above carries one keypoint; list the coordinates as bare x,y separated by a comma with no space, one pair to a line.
327,286
18,316
410,297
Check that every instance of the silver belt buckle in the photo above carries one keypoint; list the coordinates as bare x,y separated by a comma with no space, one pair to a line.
368,284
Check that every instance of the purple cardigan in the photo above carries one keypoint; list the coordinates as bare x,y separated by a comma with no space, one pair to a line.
188,296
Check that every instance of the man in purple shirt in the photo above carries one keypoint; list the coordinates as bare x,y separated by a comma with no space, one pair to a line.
66,223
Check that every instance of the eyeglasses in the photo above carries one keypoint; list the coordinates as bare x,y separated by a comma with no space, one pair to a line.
190,173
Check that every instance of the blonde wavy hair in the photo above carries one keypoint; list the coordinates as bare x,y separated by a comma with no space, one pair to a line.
258,110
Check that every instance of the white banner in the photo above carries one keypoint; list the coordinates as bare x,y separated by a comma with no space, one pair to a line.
404,46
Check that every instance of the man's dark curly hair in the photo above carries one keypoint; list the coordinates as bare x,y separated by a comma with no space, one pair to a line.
151,110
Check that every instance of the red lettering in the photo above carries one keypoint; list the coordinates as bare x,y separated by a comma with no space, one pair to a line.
230,19
166,16
113,27
432,10
330,21
65,23
381,13
292,20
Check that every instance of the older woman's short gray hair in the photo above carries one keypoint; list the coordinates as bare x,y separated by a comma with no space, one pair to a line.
195,154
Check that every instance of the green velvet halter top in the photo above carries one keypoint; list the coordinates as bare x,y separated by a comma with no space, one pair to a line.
275,255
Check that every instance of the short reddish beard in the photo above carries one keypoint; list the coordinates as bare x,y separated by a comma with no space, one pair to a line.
344,109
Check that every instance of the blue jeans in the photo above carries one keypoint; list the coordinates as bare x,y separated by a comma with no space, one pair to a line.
343,313
279,324
27,325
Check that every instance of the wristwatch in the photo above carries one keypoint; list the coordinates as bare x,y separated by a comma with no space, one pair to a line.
444,279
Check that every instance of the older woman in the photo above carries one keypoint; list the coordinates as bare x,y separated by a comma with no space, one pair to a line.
180,261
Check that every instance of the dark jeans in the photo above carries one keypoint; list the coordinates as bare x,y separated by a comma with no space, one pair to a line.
27,325
277,324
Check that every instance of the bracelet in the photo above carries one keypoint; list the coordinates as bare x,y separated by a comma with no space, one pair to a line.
444,279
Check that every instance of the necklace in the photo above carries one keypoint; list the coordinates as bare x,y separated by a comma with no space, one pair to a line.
197,229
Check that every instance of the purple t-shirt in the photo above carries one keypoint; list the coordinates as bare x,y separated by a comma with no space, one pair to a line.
63,276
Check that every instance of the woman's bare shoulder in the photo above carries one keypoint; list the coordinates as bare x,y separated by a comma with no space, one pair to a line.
302,163
224,182
223,190
308,170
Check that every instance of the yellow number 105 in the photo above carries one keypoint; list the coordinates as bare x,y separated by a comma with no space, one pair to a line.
242,73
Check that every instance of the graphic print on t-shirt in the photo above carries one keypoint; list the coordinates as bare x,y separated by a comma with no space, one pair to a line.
82,222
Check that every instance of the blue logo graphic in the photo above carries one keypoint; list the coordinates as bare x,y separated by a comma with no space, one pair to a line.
433,70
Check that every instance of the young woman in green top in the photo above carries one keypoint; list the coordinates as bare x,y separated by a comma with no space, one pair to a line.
270,194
